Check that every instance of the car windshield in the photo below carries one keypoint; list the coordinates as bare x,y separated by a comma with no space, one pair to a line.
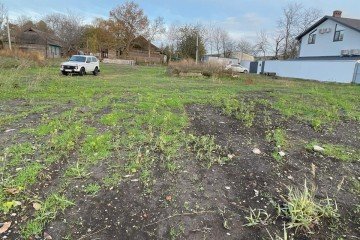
77,59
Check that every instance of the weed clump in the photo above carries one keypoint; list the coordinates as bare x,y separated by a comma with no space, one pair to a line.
206,150
303,211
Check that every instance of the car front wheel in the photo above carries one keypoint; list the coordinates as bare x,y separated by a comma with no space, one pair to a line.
96,71
64,73
82,71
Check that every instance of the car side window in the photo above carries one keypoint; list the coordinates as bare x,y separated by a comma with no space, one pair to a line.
94,59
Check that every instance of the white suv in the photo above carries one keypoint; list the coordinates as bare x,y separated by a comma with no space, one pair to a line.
81,64
237,68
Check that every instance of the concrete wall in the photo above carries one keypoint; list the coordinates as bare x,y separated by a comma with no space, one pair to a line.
245,63
327,71
220,60
119,61
324,43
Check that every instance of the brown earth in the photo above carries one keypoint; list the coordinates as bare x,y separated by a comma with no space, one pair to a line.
202,203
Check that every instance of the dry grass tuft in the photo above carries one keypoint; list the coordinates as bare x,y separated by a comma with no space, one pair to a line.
188,66
20,59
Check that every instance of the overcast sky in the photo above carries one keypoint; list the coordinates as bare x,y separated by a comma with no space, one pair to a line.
242,18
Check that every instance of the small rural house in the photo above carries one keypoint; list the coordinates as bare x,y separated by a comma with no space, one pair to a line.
329,51
331,37
37,41
139,51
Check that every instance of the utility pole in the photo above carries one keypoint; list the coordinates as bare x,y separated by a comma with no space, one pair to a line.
8,32
197,48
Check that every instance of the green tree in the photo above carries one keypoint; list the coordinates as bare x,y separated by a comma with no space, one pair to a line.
187,41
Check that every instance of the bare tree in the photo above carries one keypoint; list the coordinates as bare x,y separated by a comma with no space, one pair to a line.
227,44
295,19
288,23
3,14
308,17
221,41
245,46
278,39
68,27
155,28
262,44
217,39
132,21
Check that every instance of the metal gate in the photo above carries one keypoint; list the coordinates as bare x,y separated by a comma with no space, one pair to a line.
263,67
357,74
254,67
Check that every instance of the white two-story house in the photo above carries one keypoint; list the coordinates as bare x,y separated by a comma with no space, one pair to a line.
332,37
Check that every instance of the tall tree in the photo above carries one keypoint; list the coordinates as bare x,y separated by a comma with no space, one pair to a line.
188,35
294,20
263,43
245,46
68,27
3,14
132,21
97,37
42,26
155,28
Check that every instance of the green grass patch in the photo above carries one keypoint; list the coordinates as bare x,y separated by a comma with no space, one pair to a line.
50,208
340,152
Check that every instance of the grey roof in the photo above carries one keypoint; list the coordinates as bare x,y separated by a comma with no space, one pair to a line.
348,22
35,36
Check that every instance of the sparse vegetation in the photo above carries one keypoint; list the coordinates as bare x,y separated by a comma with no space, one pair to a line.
256,217
340,152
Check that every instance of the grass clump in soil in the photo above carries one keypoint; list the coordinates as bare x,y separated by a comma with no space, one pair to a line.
52,206
304,211
92,189
279,139
206,150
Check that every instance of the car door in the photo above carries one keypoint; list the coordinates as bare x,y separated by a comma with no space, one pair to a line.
236,68
94,62
89,64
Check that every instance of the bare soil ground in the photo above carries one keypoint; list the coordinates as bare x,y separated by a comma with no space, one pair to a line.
203,200
129,140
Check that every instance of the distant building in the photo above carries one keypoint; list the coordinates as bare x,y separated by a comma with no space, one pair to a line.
234,58
329,51
139,51
242,56
213,58
34,40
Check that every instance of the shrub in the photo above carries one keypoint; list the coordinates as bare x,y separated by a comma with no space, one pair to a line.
19,59
189,66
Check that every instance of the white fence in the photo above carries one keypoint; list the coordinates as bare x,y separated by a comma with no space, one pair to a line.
119,61
245,63
321,70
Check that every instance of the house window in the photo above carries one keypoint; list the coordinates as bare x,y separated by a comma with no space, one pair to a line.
339,35
312,37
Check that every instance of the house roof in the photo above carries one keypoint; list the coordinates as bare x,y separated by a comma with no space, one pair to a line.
27,36
140,40
348,22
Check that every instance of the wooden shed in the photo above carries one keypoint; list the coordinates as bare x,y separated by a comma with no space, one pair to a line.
38,41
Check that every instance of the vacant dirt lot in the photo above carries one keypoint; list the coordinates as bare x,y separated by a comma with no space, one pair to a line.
136,154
